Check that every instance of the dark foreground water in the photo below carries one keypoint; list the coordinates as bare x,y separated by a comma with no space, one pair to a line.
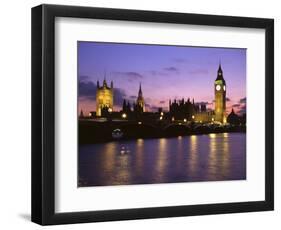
212,157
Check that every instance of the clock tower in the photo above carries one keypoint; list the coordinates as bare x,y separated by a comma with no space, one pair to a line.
220,97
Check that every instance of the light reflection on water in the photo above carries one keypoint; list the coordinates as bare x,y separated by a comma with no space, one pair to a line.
164,160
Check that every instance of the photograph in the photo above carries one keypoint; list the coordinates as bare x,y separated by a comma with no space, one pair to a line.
140,114
151,114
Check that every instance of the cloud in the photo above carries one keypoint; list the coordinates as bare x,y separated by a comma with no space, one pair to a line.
242,110
179,60
158,73
88,90
236,105
203,103
83,78
119,95
152,108
243,100
171,69
239,108
198,71
131,76
228,99
162,102
133,97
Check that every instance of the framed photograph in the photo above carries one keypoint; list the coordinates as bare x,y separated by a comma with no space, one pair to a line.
141,114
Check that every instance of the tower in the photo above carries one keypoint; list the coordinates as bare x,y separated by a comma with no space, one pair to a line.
140,101
220,97
104,97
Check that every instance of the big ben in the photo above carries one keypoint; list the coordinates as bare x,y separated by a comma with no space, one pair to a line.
220,97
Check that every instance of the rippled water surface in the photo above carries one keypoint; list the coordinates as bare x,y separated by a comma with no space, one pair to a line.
210,157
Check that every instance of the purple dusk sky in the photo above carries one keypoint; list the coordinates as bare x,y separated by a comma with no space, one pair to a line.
165,72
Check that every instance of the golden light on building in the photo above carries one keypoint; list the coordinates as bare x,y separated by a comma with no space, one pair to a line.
104,97
220,97
213,119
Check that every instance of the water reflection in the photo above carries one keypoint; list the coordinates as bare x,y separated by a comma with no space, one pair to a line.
165,160
193,155
213,157
161,160
139,156
108,159
225,155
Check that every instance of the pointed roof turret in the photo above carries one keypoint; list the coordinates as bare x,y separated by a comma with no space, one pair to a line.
220,74
220,69
140,91
104,82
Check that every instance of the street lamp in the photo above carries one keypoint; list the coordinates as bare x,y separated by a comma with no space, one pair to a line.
184,120
161,118
124,115
193,117
109,110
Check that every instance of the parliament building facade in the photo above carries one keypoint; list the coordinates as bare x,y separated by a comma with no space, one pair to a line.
186,110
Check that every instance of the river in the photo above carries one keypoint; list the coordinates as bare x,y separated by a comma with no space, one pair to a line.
212,157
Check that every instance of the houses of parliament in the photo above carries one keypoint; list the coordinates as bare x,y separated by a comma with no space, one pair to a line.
186,110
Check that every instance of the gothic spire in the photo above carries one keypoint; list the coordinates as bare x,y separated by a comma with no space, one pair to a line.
140,91
220,69
220,74
104,80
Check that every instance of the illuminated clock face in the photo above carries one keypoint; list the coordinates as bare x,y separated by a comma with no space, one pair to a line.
224,87
218,87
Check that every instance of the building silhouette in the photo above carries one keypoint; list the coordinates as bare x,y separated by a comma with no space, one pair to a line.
198,112
104,98
126,108
140,105
233,118
183,109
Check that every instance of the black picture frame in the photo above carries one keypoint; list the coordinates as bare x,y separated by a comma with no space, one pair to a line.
43,110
